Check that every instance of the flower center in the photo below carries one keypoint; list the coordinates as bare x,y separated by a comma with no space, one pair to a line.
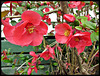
67,32
76,39
30,28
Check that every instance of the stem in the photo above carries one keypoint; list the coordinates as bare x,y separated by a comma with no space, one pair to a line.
82,70
19,16
91,52
39,57
72,60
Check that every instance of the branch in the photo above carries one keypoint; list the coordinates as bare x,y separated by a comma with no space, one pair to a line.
19,16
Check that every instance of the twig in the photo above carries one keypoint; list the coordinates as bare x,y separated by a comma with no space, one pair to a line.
91,52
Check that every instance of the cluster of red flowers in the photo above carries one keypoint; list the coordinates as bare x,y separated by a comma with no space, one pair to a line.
79,40
78,4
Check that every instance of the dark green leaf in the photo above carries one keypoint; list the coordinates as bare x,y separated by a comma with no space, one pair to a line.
78,27
6,61
13,22
20,9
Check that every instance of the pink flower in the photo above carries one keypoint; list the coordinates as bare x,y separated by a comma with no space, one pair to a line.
80,40
74,4
48,53
29,31
89,18
82,4
63,32
34,55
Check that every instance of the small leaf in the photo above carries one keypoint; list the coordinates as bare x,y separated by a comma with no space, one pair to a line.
21,55
55,64
82,17
6,61
41,66
13,66
78,27
4,13
20,9
13,22
42,7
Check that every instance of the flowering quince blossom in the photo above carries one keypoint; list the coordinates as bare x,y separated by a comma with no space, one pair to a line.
63,32
48,53
5,56
80,40
31,68
78,4
29,31
97,55
69,17
34,55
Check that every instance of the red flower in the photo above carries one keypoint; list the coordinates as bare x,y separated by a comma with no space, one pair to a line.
78,4
48,21
48,53
34,55
30,67
82,4
74,4
29,31
91,3
63,32
69,17
12,2
89,18
80,40
5,56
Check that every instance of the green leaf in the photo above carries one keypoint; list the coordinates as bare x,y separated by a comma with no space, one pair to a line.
82,17
90,25
94,36
13,22
20,9
38,11
6,61
55,64
78,27
42,7
21,55
13,66
41,66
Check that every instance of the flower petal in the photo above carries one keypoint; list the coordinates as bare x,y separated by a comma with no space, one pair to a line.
32,53
32,17
37,39
61,38
42,28
61,28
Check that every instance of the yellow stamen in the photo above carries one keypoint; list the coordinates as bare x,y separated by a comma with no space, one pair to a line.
76,39
67,32
30,28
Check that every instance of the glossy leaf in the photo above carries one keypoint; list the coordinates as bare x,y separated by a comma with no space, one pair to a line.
42,7
90,25
78,27
94,36
20,9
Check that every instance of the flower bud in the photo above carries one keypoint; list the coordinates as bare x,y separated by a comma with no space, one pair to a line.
69,17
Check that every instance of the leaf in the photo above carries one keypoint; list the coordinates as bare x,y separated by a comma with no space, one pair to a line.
94,36
41,66
13,66
55,64
21,55
78,27
20,9
4,13
6,61
82,17
42,7
90,25
13,22
39,12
